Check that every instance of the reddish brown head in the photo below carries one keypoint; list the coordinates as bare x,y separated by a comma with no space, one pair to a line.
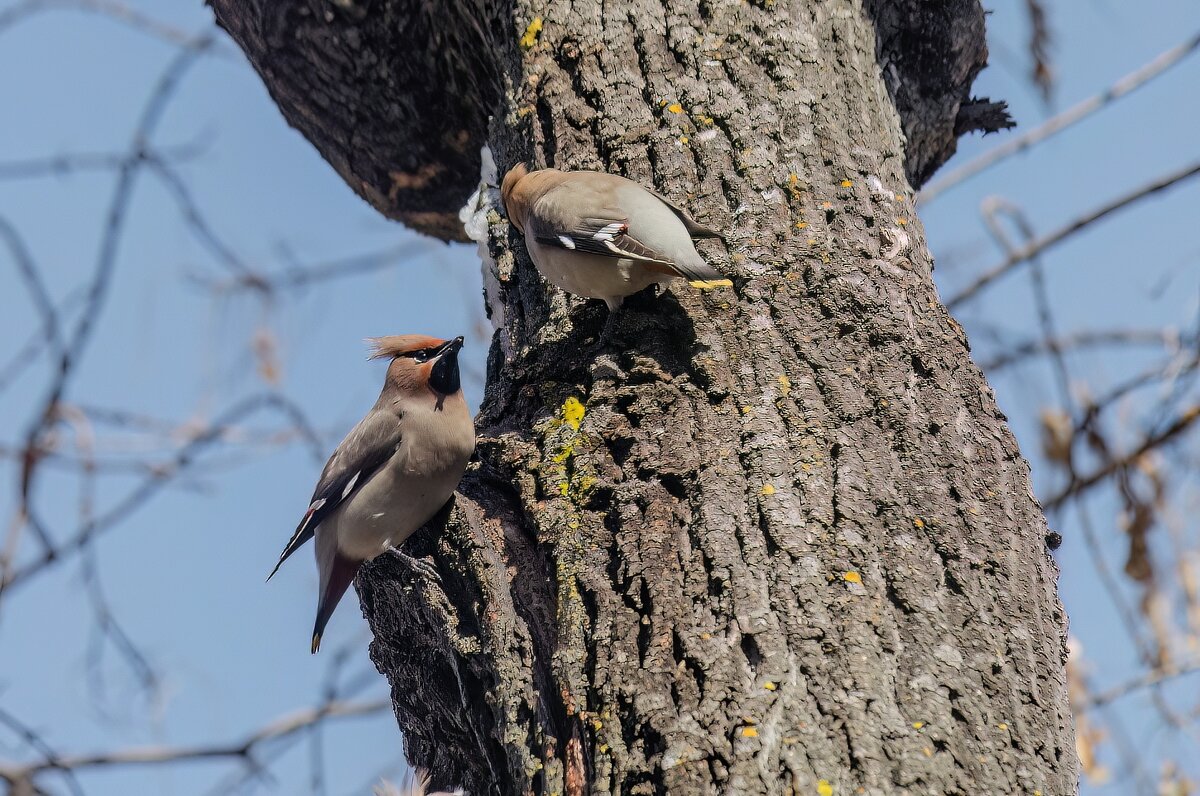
420,361
514,206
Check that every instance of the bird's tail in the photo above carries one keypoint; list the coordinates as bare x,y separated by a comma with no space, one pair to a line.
336,577
700,274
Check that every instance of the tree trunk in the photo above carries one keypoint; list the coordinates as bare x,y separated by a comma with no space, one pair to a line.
775,539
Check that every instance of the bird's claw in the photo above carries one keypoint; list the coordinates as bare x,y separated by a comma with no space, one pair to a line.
420,566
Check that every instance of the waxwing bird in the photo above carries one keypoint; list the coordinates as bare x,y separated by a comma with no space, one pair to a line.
393,471
603,236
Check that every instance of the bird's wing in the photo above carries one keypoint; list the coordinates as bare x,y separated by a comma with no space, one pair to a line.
601,230
695,228
365,449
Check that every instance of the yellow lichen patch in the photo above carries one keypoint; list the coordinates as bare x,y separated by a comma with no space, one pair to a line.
597,724
852,577
918,725
927,751
769,686
603,748
794,186
531,34
847,184
801,224
767,489
675,107
710,284
824,788
917,521
749,732
683,139
902,221
573,412
1002,726
785,385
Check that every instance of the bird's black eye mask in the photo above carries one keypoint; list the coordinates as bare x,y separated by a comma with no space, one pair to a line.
423,354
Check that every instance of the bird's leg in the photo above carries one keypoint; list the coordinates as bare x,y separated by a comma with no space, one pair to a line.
420,566
610,320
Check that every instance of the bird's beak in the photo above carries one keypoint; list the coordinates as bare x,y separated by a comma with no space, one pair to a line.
443,376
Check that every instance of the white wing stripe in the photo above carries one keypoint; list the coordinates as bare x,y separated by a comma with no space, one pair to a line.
567,242
609,232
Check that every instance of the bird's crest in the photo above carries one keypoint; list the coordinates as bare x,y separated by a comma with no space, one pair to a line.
510,181
398,345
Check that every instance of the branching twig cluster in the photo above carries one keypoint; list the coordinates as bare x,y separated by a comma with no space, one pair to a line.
110,449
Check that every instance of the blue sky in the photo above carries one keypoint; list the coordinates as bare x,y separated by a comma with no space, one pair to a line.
184,573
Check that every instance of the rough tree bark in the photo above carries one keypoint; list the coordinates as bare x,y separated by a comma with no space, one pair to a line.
777,539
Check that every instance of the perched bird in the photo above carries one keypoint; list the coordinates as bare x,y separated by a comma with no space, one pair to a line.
393,471
603,236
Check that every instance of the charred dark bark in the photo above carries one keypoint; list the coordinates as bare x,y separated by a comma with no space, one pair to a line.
768,540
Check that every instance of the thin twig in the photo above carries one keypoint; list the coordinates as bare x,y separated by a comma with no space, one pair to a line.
1127,84
77,162
1147,679
1178,426
74,346
158,755
1089,338
39,744
119,12
141,493
1045,242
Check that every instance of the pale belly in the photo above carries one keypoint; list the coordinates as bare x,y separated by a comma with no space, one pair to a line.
595,276
401,497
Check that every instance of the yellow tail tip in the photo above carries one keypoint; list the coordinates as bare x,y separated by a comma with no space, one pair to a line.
709,284
316,643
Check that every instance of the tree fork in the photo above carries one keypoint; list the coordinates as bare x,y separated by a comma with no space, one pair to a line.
768,540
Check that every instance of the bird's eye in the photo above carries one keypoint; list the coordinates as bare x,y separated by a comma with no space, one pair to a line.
422,355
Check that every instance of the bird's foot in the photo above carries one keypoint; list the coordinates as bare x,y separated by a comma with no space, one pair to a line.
420,566
611,322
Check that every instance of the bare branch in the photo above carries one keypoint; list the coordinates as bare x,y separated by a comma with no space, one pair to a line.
1088,338
76,162
35,741
1178,426
200,226
73,348
1048,241
281,728
119,12
1039,48
145,490
1126,85
1147,679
